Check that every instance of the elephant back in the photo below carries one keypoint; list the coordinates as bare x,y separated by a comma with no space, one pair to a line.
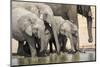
58,22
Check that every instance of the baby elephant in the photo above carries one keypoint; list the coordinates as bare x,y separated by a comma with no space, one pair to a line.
25,27
66,29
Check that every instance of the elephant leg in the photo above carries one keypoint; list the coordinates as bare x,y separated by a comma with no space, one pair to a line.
72,44
56,41
89,28
27,50
37,46
20,50
75,43
55,34
43,48
32,43
42,53
64,45
51,48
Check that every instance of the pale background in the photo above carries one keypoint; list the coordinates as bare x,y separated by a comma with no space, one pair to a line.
5,34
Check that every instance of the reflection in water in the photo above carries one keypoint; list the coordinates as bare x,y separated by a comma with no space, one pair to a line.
54,58
76,57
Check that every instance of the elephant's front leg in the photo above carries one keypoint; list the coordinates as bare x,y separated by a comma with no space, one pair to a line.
72,44
89,28
63,48
27,49
20,50
51,48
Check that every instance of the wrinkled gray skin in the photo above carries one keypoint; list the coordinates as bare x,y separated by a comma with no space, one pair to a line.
41,10
70,12
25,27
65,29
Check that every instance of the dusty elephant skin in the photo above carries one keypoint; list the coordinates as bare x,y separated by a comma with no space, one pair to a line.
65,29
70,12
43,11
25,27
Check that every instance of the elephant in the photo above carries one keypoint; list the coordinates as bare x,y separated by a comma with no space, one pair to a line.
68,12
25,27
68,30
43,11
86,12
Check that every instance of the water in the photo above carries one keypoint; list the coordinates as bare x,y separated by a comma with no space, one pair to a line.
54,58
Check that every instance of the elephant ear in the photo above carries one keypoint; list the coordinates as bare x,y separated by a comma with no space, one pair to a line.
28,30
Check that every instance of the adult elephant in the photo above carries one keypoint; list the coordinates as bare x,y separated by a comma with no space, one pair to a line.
25,27
85,10
41,10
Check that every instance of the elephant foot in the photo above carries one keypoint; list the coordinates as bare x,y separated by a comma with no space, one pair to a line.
90,40
72,51
27,55
22,53
42,54
64,50
81,51
53,51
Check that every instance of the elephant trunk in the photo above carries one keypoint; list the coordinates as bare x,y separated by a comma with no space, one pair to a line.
42,40
89,28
